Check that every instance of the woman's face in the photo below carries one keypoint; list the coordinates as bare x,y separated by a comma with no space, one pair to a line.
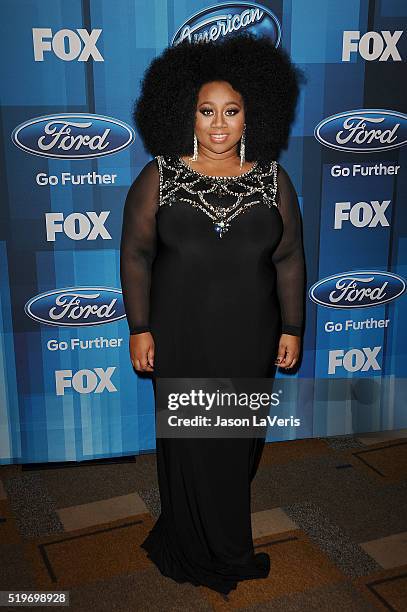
219,117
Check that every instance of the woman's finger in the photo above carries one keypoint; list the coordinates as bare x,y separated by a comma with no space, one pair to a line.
150,356
144,364
281,355
291,363
289,360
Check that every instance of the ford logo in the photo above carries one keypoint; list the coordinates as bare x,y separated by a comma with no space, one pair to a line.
77,306
73,136
363,131
357,289
228,19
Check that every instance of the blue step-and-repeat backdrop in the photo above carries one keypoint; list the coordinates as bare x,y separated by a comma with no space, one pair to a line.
70,73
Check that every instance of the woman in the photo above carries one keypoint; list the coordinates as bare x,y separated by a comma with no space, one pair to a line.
212,273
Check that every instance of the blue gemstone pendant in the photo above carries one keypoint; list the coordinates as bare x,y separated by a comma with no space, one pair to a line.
221,228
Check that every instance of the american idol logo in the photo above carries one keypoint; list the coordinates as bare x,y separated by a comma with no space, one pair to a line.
77,306
363,131
229,19
73,136
357,289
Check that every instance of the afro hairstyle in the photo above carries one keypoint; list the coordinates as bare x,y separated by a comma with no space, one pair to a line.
265,77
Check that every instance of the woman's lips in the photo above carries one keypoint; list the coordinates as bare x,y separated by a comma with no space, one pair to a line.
218,137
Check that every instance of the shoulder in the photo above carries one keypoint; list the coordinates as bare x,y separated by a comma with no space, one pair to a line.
284,180
267,171
169,167
286,191
282,172
267,167
281,177
165,161
150,171
276,178
147,178
272,166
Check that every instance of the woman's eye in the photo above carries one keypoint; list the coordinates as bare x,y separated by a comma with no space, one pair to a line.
229,112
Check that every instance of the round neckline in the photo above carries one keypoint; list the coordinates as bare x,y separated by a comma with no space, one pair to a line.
210,176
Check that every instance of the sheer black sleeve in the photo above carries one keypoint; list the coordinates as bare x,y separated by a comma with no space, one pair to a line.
288,258
138,246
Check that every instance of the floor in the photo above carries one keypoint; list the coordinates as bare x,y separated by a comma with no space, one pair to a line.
331,513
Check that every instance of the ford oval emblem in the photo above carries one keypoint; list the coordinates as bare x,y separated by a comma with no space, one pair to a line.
363,130
77,306
357,289
73,136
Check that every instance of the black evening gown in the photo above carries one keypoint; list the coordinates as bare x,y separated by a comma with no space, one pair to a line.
213,267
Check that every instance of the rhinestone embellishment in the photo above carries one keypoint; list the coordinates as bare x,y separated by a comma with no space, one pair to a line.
178,181
221,227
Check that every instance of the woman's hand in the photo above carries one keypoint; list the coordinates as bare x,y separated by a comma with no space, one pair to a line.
142,352
288,351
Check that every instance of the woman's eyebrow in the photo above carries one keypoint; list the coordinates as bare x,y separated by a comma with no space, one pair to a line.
229,102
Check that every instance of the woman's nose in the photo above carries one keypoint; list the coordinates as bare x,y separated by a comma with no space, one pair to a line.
218,120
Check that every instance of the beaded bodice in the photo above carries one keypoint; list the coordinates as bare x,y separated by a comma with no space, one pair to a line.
221,198
168,255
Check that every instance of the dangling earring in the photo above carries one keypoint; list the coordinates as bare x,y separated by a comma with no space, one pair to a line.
195,155
242,146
